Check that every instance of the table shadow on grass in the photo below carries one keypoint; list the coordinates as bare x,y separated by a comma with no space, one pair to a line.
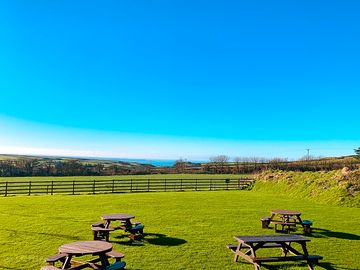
323,233
320,265
157,239
331,266
285,265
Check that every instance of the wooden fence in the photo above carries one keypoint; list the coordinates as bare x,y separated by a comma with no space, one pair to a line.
119,186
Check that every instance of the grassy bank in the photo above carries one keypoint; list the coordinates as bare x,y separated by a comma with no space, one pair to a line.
341,187
185,230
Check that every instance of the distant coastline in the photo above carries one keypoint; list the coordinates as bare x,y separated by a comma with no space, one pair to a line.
154,162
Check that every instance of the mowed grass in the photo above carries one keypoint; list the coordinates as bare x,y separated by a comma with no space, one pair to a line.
185,230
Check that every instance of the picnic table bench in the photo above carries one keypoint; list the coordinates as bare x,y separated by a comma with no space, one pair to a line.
248,246
100,232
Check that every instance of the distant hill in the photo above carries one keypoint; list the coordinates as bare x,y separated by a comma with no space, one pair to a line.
31,165
28,165
154,162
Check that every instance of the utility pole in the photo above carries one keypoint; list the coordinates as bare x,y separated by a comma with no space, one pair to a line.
308,154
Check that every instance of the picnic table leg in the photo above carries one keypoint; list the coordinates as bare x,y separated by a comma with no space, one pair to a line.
253,253
284,249
67,262
290,249
107,224
236,257
299,219
253,249
95,233
104,260
286,219
310,264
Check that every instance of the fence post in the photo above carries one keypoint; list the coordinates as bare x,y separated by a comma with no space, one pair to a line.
6,188
211,184
29,188
165,184
148,185
113,186
94,186
52,187
73,188
181,185
195,184
131,184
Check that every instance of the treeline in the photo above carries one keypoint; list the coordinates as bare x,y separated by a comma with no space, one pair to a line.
244,165
221,164
71,167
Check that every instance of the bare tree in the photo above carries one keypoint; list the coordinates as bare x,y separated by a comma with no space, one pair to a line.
237,164
220,163
275,163
180,165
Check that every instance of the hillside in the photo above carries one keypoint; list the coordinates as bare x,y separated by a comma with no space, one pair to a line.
24,165
338,187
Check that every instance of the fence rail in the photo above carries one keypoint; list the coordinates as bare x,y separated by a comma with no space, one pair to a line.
74,187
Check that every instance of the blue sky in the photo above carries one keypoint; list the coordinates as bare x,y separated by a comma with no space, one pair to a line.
171,79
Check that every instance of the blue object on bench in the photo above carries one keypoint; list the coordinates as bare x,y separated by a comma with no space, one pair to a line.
116,266
307,222
137,229
307,226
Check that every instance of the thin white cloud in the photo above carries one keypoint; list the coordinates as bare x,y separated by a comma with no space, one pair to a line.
21,137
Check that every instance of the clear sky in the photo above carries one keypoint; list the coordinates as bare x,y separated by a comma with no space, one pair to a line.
179,79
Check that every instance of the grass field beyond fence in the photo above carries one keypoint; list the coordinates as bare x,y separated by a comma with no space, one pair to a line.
98,186
184,230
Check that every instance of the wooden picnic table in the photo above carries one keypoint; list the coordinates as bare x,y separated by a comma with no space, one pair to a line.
285,218
135,229
81,248
123,218
248,246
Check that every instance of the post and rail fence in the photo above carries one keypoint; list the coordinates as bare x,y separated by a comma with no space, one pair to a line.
76,187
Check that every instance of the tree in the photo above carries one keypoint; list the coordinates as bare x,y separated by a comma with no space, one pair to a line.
357,152
30,166
180,165
99,168
237,161
220,163
275,163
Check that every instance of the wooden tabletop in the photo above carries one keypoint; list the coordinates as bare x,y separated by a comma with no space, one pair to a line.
86,247
272,238
117,217
285,212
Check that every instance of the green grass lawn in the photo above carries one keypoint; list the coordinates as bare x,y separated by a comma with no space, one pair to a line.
185,230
